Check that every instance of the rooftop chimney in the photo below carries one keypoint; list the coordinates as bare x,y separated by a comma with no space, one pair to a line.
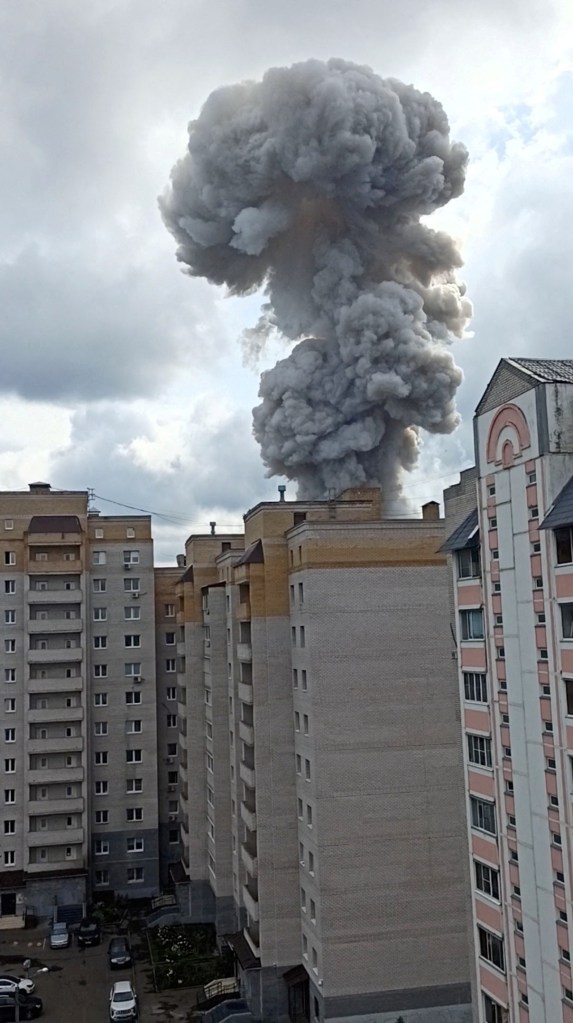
180,561
39,488
431,511
282,491
212,524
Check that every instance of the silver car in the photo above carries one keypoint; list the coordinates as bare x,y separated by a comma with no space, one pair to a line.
60,936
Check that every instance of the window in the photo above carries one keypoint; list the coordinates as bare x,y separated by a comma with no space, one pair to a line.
9,796
101,847
131,584
487,880
173,779
543,654
10,827
479,750
9,858
9,618
10,648
171,749
135,845
475,687
314,960
491,948
469,563
295,678
495,553
133,756
171,720
305,723
9,735
296,721
134,785
131,727
10,765
493,1011
10,705
100,700
170,639
305,946
132,640
100,758
472,624
534,512
173,835
304,680
539,583
169,610
100,642
567,620
9,557
8,523
483,815
131,698
492,523
98,558
568,683
170,664
99,534
307,770
132,614
313,911
101,878
9,586
564,545
131,557
101,788
298,764
171,693
134,875
9,674
132,668
100,728
100,614
311,862
309,815
302,636
134,813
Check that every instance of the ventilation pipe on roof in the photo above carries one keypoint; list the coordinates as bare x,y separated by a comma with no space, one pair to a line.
212,524
282,491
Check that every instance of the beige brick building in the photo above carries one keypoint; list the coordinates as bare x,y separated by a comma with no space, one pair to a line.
80,709
321,785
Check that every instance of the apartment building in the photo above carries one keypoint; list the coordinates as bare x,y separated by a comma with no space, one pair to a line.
510,526
321,780
79,806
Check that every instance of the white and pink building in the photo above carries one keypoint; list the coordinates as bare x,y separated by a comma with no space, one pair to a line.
510,524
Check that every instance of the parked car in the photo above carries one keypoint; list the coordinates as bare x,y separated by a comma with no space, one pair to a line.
29,1007
122,1001
88,933
60,936
9,984
119,952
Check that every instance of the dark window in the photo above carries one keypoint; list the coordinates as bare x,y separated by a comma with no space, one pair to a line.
493,1012
469,563
487,880
472,624
567,620
479,750
483,815
475,687
491,948
564,545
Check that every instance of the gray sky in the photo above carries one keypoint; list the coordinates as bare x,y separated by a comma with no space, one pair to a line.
118,372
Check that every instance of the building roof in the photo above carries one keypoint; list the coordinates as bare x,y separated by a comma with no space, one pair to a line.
187,576
559,371
466,535
561,511
242,950
54,524
254,555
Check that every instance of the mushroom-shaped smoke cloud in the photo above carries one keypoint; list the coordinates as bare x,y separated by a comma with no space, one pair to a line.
313,183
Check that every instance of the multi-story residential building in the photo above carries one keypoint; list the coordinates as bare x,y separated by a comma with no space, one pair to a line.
510,525
321,780
79,806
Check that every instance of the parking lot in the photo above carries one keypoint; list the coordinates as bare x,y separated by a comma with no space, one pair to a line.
76,988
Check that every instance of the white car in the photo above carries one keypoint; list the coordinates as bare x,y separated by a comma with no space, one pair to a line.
9,984
122,1001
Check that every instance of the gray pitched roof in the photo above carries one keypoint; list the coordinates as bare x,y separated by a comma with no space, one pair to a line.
561,511
466,535
54,524
547,370
254,555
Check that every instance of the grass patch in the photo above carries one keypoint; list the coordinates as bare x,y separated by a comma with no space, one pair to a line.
187,956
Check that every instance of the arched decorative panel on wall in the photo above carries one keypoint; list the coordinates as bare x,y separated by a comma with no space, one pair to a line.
508,436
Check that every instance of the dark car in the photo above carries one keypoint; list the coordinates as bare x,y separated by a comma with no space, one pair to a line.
119,953
30,1007
88,933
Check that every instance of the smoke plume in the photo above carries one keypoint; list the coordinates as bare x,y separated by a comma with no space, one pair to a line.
313,183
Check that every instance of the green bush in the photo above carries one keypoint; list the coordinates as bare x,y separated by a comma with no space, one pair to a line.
187,956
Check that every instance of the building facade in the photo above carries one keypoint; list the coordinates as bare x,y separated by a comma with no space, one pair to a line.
80,708
510,524
321,796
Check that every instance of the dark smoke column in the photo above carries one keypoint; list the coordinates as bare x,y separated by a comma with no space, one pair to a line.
313,183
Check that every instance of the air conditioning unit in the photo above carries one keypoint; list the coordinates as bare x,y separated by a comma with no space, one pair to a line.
172,788
138,678
135,596
127,566
173,816
170,760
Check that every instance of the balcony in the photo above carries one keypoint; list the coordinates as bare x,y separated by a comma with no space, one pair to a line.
249,858
51,625
64,836
54,866
55,685
247,774
251,903
60,655
245,693
44,807
57,566
55,596
49,775
248,817
251,934
244,611
61,744
247,733
245,652
63,714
